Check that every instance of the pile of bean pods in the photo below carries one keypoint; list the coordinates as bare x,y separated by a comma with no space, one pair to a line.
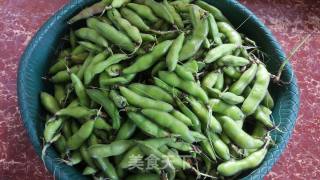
170,80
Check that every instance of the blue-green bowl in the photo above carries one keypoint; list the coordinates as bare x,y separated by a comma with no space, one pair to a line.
37,57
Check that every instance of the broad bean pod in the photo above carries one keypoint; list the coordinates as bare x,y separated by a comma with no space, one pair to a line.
190,87
135,99
168,121
258,92
146,61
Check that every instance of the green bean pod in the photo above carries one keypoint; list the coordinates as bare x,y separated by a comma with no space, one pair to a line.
148,37
230,60
213,10
64,76
135,151
134,19
146,61
232,35
74,159
80,90
174,159
220,82
245,79
190,87
219,146
259,131
231,98
72,39
77,139
232,72
60,65
117,99
91,35
171,90
78,50
81,57
114,59
119,3
114,70
195,15
84,66
210,79
121,172
206,118
132,31
213,30
230,168
181,146
207,148
100,123
168,36
206,43
90,47
143,11
66,129
168,121
237,135
198,136
86,157
171,169
258,92
60,145
113,149
262,117
219,51
268,101
174,51
175,15
89,171
102,98
160,10
144,102
126,131
229,110
49,102
182,117
194,119
266,110
96,8
192,45
225,138
88,72
106,80
78,112
184,73
111,34
158,67
151,91
213,92
146,125
180,6
93,140
192,66
51,129
107,168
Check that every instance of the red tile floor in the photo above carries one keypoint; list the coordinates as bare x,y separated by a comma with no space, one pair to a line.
290,20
